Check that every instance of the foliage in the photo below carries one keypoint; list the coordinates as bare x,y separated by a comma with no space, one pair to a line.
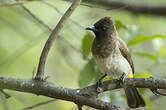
144,74
142,38
86,44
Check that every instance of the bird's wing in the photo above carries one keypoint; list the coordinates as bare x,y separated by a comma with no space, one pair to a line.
125,52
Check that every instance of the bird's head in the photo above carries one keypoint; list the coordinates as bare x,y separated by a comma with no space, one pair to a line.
103,27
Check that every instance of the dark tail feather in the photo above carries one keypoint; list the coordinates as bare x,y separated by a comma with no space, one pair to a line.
134,99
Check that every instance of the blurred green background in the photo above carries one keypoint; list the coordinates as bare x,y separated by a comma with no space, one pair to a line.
69,63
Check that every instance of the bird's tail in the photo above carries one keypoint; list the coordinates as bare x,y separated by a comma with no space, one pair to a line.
134,99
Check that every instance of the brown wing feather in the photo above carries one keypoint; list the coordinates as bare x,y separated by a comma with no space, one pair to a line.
125,52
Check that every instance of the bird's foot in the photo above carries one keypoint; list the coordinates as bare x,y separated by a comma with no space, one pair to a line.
121,79
100,82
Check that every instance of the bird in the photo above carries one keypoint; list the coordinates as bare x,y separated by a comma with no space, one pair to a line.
113,58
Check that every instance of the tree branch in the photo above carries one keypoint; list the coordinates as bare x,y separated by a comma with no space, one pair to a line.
115,4
49,28
55,32
151,83
131,7
85,96
50,90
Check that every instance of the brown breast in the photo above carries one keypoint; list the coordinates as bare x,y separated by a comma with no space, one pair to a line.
103,48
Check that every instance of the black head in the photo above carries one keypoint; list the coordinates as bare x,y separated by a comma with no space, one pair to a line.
102,27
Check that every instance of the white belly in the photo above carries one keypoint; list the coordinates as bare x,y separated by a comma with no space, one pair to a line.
114,66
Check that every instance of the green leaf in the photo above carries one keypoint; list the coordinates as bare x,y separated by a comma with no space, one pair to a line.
86,44
119,25
146,55
106,78
142,38
144,74
87,74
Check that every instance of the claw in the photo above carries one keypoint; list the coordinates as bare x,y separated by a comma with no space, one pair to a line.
100,82
122,78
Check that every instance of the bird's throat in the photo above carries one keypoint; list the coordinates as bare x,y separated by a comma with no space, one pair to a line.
103,46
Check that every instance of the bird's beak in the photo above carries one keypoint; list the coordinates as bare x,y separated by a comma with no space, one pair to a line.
92,28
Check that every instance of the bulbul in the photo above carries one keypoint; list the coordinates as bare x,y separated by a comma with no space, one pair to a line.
113,58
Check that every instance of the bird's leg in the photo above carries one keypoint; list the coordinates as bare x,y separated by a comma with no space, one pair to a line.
100,82
122,78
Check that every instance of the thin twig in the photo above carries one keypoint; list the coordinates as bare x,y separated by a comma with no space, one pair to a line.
157,92
55,32
62,37
74,48
114,4
49,28
11,3
5,94
57,10
103,8
39,104
35,17
16,2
